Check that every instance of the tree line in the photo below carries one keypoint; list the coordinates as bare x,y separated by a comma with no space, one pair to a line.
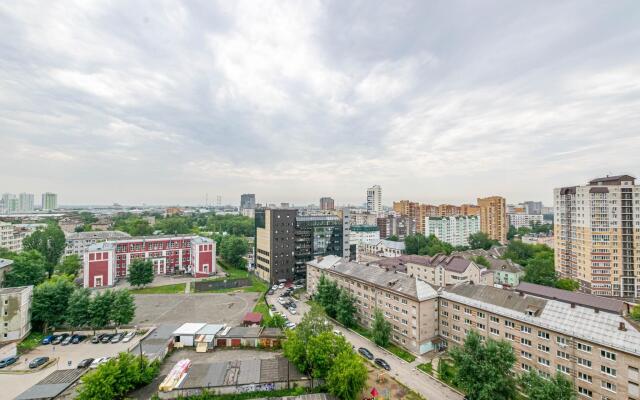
336,302
430,245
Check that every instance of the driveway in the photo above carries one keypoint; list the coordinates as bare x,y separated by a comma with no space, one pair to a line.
402,371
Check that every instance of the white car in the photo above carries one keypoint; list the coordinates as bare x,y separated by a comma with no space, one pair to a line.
274,287
128,337
98,361
292,310
337,332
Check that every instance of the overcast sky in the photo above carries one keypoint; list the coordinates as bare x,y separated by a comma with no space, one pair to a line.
437,101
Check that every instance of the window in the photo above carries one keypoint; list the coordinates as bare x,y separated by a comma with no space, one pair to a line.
456,317
562,354
563,369
509,324
467,321
526,354
543,335
544,348
543,361
583,347
509,336
494,319
456,307
583,362
444,303
608,370
608,355
525,342
525,329
481,326
444,313
467,311
608,386
561,341
584,377
494,331
585,392
481,314
525,367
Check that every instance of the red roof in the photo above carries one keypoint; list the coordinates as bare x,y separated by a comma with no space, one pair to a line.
253,318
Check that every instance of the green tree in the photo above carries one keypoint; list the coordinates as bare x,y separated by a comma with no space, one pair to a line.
140,272
50,301
133,225
422,245
295,346
394,238
87,217
174,225
233,249
346,309
635,312
567,284
535,387
484,368
540,270
347,377
381,329
512,232
231,224
322,350
28,268
481,260
123,309
481,240
50,242
77,314
70,265
100,309
326,294
276,321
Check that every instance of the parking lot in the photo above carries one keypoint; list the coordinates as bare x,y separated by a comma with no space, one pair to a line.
229,308
301,307
64,357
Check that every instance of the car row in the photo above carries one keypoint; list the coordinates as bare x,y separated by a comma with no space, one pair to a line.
123,337
369,356
63,339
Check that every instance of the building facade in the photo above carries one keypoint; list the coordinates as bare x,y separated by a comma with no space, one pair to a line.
327,203
247,201
409,304
597,235
518,220
49,201
493,218
10,238
380,248
364,233
108,261
533,207
275,244
374,200
25,202
78,243
15,313
453,230
5,266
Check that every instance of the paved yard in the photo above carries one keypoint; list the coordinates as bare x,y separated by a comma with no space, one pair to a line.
14,384
229,308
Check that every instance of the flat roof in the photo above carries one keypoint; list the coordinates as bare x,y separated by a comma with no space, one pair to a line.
583,299
189,328
11,290
5,262
52,385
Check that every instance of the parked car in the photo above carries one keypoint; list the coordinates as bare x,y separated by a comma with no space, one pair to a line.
77,339
117,337
130,335
274,287
106,338
37,362
96,362
382,363
281,286
97,338
5,362
86,363
66,341
59,339
365,353
292,310
298,287
270,292
292,304
48,339
337,332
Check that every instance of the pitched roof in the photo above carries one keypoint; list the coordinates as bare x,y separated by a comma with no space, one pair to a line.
451,263
583,299
612,180
253,317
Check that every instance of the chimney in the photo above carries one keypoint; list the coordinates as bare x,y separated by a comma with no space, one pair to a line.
573,305
622,327
521,294
596,310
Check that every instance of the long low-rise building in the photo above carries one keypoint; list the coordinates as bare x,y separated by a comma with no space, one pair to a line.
380,248
108,261
78,243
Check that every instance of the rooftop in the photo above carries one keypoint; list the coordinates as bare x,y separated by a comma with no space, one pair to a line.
5,263
389,280
451,263
11,290
252,318
583,299
612,180
392,244
52,385
189,328
101,235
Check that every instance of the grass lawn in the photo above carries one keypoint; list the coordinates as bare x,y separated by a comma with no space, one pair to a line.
428,368
261,307
257,395
257,285
234,273
166,289
30,342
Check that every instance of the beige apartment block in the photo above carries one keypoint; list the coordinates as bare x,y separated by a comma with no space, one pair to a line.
15,313
493,217
597,235
587,338
409,304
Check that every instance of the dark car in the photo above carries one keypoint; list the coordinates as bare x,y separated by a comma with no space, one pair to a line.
5,362
60,338
382,363
38,361
292,304
85,363
270,292
106,338
77,339
48,339
365,353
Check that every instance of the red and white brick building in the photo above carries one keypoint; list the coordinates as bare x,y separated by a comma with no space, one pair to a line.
107,261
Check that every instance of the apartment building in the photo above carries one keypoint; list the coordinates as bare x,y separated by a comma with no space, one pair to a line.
5,266
439,270
26,202
520,220
108,261
78,243
10,237
364,233
380,248
408,303
454,230
587,338
597,235
505,272
327,203
493,218
15,313
374,200
49,201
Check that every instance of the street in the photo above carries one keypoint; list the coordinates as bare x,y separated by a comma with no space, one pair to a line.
403,372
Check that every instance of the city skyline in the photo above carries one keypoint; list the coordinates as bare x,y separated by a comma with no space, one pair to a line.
437,103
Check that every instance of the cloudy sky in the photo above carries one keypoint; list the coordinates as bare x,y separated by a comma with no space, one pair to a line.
437,101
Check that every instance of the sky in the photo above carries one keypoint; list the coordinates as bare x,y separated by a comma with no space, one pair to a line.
166,102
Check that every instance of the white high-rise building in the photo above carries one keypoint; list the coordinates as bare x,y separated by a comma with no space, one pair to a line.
374,199
49,201
25,202
525,220
597,235
453,230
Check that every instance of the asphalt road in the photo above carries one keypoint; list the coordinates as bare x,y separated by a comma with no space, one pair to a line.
402,371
